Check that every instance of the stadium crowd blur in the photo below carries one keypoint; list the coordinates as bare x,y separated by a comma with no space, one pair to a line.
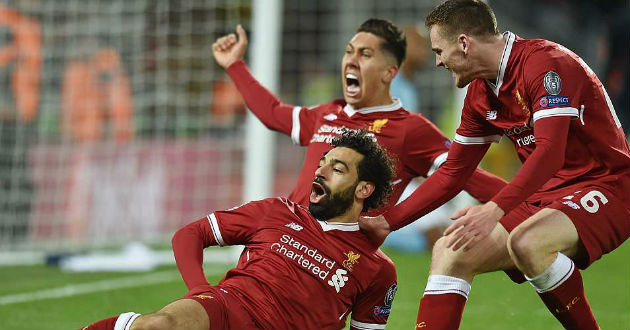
118,92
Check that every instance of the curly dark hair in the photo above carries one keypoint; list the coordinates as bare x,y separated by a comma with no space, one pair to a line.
394,38
376,166
472,17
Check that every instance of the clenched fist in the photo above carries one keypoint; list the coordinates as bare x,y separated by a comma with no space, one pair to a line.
229,49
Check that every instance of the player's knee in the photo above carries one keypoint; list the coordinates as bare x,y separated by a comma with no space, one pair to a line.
522,245
445,261
157,321
439,250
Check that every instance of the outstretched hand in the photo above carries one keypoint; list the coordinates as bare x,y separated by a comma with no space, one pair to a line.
375,228
229,49
476,223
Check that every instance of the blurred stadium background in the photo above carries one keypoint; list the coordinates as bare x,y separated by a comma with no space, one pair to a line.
116,125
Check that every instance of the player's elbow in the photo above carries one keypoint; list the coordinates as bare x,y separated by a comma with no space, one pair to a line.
180,236
175,240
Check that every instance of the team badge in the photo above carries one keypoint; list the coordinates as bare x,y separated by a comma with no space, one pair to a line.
552,83
377,125
522,103
353,258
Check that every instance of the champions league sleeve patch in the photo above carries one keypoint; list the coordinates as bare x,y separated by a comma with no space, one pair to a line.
552,83
549,101
387,302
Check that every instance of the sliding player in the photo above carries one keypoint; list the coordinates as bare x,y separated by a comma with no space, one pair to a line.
313,268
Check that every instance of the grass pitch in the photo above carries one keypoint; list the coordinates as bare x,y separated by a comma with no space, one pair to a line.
494,303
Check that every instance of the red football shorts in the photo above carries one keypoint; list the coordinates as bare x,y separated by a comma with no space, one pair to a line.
224,311
602,220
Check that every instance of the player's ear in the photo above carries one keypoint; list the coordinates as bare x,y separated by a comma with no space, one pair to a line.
364,189
390,73
463,42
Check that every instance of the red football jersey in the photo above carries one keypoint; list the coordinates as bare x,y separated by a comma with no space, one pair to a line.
539,79
417,145
305,273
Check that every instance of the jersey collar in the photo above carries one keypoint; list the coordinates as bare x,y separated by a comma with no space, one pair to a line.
509,37
349,110
327,226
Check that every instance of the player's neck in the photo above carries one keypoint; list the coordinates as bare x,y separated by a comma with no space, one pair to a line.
489,58
384,99
350,216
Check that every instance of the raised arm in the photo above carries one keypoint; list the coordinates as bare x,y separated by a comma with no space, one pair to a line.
228,49
229,53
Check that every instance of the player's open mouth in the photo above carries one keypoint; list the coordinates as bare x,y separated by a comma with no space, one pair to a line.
318,192
353,87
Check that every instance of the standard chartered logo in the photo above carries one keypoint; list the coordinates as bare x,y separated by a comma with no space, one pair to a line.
314,262
339,279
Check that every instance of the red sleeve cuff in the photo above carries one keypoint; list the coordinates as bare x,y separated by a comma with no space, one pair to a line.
237,68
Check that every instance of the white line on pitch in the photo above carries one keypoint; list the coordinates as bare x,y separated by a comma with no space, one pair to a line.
105,285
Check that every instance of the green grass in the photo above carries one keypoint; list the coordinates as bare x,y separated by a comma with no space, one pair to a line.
495,302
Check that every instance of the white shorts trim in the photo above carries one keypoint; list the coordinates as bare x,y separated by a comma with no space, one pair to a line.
477,140
295,128
214,226
366,326
555,112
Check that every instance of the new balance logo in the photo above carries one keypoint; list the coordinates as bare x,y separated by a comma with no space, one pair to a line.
294,226
330,117
339,279
491,115
571,204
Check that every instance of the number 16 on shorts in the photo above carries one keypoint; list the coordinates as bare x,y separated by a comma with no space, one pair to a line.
590,201
601,217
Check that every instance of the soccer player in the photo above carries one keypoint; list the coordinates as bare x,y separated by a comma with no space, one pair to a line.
569,203
314,266
371,60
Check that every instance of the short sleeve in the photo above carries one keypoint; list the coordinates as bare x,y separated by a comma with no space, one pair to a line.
238,225
373,306
473,128
554,81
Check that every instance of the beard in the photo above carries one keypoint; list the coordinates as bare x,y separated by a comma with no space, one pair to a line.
333,204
